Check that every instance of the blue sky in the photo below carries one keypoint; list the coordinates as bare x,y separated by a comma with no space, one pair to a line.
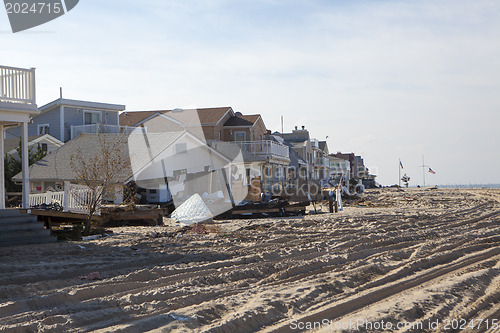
385,79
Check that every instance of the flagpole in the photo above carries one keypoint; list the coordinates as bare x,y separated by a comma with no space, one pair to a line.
423,168
399,169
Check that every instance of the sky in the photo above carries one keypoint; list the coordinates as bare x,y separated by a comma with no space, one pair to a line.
385,79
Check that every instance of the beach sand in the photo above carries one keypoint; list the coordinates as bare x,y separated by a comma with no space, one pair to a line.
399,257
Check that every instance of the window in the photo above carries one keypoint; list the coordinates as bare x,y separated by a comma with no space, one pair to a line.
180,148
43,129
44,147
91,117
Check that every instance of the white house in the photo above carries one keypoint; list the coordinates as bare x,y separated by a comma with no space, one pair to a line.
17,107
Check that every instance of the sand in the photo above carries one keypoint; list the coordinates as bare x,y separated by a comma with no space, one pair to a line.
402,257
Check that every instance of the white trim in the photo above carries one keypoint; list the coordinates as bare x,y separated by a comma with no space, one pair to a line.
49,138
14,117
42,125
229,110
91,111
81,104
146,119
237,132
172,119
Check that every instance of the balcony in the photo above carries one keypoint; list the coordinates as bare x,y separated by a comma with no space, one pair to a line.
100,128
321,162
17,89
263,147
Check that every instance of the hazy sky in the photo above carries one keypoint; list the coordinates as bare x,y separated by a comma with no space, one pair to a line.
385,79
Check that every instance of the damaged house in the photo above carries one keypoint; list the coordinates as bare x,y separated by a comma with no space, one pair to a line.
160,167
260,163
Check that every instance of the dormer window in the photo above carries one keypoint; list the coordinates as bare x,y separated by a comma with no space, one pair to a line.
91,117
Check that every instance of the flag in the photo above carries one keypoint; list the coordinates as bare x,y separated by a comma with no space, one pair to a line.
432,171
401,164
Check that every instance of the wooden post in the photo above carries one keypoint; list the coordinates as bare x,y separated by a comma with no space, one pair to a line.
330,201
66,196
25,165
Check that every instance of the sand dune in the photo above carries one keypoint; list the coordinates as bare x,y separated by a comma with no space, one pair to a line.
401,257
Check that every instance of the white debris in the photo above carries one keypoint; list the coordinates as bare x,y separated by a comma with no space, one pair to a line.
193,210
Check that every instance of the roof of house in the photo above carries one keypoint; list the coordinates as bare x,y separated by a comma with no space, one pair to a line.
133,149
12,143
323,145
204,115
296,136
57,166
242,120
81,104
133,118
295,159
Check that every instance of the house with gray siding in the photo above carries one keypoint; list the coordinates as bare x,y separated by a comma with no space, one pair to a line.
65,119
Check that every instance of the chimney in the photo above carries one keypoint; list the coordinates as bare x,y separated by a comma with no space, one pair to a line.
296,128
303,127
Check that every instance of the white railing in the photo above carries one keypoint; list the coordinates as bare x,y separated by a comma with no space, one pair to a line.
17,85
46,198
74,198
321,162
262,147
100,128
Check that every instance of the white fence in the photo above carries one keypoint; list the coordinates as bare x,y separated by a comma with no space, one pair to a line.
46,198
17,85
75,199
262,147
100,128
322,162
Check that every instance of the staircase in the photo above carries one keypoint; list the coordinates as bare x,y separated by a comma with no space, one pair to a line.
17,228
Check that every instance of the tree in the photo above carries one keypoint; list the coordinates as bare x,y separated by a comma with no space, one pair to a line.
15,165
100,170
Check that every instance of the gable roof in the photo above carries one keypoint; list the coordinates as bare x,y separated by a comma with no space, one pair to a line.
134,118
57,166
11,144
295,159
242,120
205,115
323,146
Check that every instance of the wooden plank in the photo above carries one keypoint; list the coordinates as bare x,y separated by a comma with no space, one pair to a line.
137,215
55,213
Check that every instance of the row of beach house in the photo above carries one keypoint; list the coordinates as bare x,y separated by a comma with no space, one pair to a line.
170,150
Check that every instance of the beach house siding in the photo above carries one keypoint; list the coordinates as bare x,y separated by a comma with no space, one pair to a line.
50,118
73,115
